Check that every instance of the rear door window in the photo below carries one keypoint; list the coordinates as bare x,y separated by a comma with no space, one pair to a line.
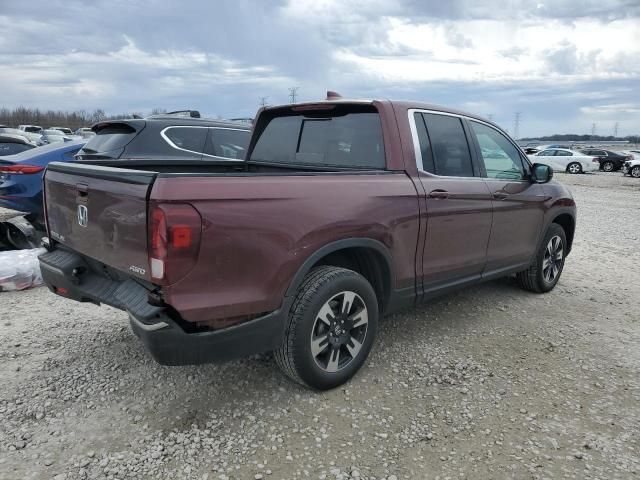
339,137
191,139
227,143
563,153
451,154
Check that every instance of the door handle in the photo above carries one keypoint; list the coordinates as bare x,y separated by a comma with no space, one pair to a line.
438,194
500,195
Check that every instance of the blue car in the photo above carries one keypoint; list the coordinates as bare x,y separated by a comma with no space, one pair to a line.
21,176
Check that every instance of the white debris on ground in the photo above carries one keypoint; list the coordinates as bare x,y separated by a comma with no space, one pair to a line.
19,269
490,382
6,214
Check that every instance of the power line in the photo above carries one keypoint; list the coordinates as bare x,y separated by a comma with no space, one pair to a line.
293,94
516,125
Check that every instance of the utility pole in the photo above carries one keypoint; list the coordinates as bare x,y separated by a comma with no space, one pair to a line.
615,129
293,94
516,125
490,117
263,101
593,130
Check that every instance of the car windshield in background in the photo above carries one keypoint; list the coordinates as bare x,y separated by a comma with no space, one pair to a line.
351,139
111,138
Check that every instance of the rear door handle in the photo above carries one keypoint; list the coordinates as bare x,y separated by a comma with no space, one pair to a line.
500,195
438,194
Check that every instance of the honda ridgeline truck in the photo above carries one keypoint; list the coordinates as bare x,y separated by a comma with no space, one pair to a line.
342,211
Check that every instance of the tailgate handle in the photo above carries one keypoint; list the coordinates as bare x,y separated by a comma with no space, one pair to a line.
83,189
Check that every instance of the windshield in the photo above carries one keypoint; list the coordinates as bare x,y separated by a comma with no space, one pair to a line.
343,136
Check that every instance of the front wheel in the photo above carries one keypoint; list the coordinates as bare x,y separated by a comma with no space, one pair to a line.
331,328
574,167
635,171
544,273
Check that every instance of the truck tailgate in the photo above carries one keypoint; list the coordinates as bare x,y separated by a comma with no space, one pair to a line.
100,212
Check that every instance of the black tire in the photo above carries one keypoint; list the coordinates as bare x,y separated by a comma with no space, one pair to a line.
319,287
572,166
608,166
533,278
635,171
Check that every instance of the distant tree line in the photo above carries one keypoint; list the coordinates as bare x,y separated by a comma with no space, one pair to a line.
572,137
59,118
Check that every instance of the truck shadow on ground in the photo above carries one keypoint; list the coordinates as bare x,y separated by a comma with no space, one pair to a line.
196,392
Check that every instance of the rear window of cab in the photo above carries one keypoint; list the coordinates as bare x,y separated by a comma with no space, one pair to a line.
338,136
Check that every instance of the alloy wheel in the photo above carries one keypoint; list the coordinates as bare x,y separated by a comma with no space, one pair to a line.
339,331
635,172
607,167
574,168
553,257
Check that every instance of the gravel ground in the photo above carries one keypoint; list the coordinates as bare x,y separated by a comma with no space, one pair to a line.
491,382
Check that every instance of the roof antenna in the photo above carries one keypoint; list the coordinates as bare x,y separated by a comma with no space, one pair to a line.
331,95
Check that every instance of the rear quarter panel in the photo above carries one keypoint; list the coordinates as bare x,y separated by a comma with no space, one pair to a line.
258,231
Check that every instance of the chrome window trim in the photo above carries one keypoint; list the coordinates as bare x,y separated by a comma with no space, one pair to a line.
173,145
418,152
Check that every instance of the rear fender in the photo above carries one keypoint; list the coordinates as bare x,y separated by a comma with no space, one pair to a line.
325,250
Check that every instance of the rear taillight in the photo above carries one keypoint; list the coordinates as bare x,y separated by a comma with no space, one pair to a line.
595,160
20,169
174,241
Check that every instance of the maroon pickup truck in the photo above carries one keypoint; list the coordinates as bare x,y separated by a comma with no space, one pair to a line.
342,211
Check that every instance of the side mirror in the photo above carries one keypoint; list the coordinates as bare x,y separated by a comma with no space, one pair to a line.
541,173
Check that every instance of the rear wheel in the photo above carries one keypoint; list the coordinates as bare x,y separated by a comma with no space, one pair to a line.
574,167
332,326
608,166
544,273
635,171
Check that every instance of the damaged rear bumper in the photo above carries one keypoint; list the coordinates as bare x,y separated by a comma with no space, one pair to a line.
69,275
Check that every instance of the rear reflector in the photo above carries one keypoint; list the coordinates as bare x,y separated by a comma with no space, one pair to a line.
21,169
181,236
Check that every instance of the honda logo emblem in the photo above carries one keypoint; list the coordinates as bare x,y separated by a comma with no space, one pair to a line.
83,215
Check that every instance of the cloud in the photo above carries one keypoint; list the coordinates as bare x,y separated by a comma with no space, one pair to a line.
456,39
555,61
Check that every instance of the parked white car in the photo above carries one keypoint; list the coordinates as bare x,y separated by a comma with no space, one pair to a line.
634,154
565,160
632,167
30,128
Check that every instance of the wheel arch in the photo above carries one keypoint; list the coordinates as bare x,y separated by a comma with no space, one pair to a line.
568,224
370,258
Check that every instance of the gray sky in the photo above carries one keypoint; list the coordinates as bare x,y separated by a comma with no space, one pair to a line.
565,64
